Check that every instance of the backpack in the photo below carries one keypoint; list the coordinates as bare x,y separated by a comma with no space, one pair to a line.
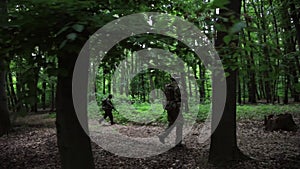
172,94
104,104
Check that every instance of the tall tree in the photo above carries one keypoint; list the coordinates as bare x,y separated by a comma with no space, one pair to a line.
250,61
73,143
4,113
223,146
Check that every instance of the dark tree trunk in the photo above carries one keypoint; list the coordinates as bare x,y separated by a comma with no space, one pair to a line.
251,65
19,89
12,91
223,146
286,90
143,90
73,143
103,82
8,95
44,86
114,85
33,85
202,82
4,112
190,85
239,95
295,15
289,47
267,79
109,83
52,96
121,86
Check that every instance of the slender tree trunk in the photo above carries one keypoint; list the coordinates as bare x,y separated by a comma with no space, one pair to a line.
239,95
9,98
251,65
190,85
267,61
4,112
143,92
52,96
296,20
223,146
114,84
44,86
35,87
73,143
103,82
202,82
152,87
19,89
289,47
12,90
286,90
184,94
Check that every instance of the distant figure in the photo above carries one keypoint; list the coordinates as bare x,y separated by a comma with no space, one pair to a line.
172,93
107,106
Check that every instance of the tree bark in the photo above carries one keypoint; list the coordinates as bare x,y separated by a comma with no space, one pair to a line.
4,112
73,143
44,86
289,48
251,65
223,146
52,96
12,91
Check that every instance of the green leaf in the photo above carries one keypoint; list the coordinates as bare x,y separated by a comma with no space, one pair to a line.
62,30
227,39
227,74
63,44
72,36
78,27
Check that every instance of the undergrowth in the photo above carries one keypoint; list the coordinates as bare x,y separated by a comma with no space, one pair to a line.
145,113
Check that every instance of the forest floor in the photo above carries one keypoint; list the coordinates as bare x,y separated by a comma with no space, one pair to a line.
32,144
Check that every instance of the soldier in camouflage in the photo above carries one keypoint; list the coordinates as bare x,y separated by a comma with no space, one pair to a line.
175,118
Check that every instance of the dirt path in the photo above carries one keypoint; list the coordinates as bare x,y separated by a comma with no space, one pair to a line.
35,147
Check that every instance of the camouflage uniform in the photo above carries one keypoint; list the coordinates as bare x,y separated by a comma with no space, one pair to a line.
175,118
108,110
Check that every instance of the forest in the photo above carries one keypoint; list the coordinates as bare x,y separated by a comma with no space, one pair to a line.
235,62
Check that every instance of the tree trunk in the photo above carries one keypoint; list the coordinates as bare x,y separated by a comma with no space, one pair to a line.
190,85
44,86
103,82
286,90
73,143
8,95
12,91
267,61
4,112
52,96
239,95
223,146
251,65
289,48
202,82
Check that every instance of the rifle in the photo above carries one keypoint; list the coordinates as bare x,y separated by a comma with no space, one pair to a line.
116,110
